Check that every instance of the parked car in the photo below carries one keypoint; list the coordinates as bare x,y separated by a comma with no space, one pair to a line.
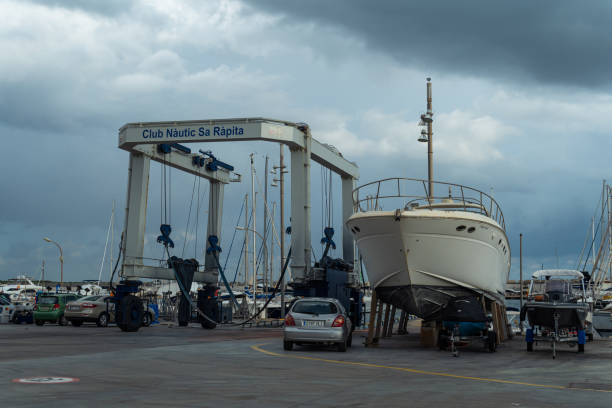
50,307
7,309
317,320
99,309
24,312
95,309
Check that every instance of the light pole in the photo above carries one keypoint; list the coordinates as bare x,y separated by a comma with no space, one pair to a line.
61,259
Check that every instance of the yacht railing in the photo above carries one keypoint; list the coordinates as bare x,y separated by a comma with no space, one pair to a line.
409,194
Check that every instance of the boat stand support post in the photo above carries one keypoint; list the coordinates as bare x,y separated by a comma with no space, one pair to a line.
495,320
389,332
400,326
386,320
379,318
499,323
504,322
509,333
373,305
500,327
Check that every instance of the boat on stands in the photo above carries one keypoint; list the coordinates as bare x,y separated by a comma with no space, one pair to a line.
426,243
421,251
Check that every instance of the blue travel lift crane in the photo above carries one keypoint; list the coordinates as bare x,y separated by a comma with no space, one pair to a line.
158,141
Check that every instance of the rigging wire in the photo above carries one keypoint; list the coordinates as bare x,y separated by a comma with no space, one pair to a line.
259,255
586,260
233,237
189,215
242,250
586,239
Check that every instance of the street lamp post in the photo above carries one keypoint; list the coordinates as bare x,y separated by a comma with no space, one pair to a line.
61,258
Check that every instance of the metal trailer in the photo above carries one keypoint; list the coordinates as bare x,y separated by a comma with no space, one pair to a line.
456,334
555,336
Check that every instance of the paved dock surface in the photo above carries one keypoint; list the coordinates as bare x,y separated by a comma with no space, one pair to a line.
163,366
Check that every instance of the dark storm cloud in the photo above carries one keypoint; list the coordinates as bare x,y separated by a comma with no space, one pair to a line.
106,7
551,41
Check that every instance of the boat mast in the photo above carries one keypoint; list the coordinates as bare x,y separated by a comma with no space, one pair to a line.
246,239
429,140
427,136
112,241
265,228
281,167
253,216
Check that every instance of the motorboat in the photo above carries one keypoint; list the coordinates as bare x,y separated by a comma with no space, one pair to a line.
602,321
425,243
559,305
23,290
558,312
422,250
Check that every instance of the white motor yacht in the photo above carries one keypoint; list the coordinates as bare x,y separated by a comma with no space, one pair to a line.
421,251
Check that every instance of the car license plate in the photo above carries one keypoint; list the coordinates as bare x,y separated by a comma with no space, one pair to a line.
74,307
313,323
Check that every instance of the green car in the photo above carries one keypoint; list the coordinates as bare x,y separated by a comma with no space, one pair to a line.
50,308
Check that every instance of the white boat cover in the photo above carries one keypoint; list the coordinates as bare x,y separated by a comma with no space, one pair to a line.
543,273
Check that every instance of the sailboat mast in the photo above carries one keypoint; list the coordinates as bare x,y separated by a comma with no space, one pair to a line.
265,233
254,213
609,226
282,225
246,239
272,246
112,240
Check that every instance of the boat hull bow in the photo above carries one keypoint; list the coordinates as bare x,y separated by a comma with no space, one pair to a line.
419,260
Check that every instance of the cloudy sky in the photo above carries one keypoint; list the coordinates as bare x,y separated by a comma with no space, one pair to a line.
522,102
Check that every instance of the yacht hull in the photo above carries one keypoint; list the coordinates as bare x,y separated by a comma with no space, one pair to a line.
419,260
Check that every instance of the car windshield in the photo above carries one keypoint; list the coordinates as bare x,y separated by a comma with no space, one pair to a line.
3,301
47,300
315,307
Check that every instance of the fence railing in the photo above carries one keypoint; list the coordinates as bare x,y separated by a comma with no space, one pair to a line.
408,194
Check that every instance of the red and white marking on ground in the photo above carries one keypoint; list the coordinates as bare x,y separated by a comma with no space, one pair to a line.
46,380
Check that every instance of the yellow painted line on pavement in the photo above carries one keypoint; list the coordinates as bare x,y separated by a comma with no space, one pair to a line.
422,372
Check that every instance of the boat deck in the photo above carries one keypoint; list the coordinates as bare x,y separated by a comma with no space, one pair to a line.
174,366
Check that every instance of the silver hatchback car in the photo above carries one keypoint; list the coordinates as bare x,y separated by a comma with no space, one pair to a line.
317,320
